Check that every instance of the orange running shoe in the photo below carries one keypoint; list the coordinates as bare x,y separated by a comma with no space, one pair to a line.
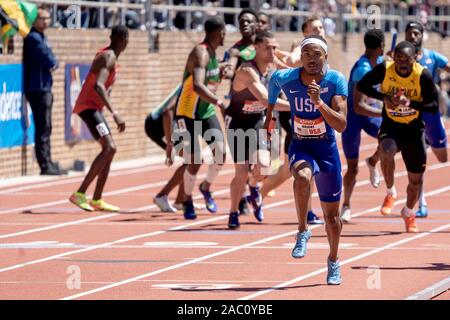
388,204
410,224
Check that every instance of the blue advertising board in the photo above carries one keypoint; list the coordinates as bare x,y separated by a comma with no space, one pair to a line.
16,122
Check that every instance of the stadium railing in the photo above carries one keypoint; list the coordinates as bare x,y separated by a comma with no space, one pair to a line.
387,15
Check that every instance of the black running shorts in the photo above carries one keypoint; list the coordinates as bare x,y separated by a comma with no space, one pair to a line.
95,122
410,142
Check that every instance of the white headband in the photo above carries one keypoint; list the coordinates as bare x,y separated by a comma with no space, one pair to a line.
317,41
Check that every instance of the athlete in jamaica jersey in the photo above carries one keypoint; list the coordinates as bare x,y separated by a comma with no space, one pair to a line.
407,90
434,127
195,114
318,107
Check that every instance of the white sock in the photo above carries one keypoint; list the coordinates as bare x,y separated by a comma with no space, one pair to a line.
422,200
407,212
392,191
213,172
189,182
246,192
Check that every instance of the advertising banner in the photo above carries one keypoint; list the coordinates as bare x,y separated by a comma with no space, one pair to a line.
16,122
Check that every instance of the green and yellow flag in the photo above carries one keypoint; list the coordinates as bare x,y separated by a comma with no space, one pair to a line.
16,16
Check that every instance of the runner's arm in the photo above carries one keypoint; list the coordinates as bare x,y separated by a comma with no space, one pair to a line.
200,61
336,114
293,60
167,127
274,91
280,64
361,106
447,68
167,121
282,55
360,101
370,79
104,63
250,80
232,62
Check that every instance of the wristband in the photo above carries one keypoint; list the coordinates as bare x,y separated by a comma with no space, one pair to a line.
115,113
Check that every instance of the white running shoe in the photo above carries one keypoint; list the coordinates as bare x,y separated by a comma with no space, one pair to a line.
374,174
164,204
346,214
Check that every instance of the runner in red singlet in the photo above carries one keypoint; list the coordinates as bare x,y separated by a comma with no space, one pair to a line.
94,96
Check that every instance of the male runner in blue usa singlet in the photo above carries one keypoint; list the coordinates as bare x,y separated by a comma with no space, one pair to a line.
363,114
318,100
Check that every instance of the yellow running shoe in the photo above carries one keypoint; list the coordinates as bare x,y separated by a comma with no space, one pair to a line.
271,193
79,199
101,205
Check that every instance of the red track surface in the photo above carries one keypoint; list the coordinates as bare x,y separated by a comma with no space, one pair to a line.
132,255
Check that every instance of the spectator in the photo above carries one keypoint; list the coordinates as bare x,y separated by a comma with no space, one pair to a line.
160,17
328,24
39,63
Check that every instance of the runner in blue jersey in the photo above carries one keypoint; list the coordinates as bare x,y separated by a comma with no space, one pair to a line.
434,126
318,100
363,114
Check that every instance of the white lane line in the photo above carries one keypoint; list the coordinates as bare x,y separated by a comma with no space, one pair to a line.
342,263
61,225
145,281
107,244
244,246
361,256
115,192
71,223
110,193
119,191
53,203
78,178
437,166
432,291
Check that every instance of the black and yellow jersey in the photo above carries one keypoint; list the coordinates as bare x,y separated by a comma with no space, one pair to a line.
418,87
189,103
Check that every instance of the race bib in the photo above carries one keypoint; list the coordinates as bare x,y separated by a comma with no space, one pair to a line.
402,112
227,121
253,107
310,128
181,125
102,129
